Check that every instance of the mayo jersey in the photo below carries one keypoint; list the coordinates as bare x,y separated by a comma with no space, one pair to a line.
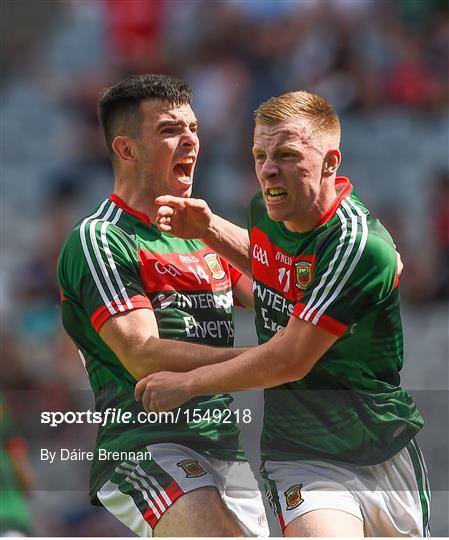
114,261
340,276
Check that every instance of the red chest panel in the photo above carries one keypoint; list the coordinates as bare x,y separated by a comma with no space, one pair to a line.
200,270
286,273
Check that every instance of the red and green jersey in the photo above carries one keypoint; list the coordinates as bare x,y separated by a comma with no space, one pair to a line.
114,261
342,277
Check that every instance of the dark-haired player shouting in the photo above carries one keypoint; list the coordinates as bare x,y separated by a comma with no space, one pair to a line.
137,301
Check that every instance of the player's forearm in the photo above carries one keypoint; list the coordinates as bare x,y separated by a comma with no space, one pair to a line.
260,367
287,357
230,241
170,355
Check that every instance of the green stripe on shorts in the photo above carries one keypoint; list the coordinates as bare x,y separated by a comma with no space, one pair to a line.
151,468
423,483
128,487
271,491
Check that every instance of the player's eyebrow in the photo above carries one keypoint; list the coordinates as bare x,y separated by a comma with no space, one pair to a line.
287,148
284,147
166,123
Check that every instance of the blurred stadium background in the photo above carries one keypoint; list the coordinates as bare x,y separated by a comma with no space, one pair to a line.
383,64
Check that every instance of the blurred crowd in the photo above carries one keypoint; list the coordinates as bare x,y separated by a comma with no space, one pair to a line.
382,64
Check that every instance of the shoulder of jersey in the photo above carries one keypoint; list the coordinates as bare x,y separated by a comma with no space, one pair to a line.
82,230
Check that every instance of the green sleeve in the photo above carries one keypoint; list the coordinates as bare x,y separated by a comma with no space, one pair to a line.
99,271
352,274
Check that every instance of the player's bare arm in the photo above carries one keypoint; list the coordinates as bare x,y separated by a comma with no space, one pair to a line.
192,218
287,357
243,291
134,337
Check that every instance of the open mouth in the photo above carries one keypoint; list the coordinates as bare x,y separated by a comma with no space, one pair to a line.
184,167
275,194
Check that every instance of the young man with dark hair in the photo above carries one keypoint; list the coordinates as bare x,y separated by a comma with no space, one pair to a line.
136,301
338,449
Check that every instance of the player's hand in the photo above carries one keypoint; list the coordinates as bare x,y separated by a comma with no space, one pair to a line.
162,391
184,218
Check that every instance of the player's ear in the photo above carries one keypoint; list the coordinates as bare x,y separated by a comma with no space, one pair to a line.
124,148
331,162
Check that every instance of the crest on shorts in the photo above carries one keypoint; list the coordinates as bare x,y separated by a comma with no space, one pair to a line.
192,468
293,496
214,264
303,274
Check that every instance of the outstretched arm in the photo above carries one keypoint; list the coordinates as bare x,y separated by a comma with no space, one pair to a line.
192,218
287,357
134,338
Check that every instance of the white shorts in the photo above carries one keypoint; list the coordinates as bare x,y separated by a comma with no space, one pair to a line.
138,493
391,499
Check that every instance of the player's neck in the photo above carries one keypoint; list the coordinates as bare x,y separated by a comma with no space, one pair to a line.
311,215
305,224
138,199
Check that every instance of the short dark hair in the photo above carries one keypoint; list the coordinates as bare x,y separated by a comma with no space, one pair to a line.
118,105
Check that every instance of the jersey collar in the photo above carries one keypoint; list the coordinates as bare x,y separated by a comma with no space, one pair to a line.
343,187
121,204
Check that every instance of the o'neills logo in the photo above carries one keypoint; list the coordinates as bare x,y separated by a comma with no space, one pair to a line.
303,274
213,262
192,468
283,258
293,496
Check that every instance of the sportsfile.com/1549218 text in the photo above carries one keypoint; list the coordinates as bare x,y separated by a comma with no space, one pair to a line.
117,416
